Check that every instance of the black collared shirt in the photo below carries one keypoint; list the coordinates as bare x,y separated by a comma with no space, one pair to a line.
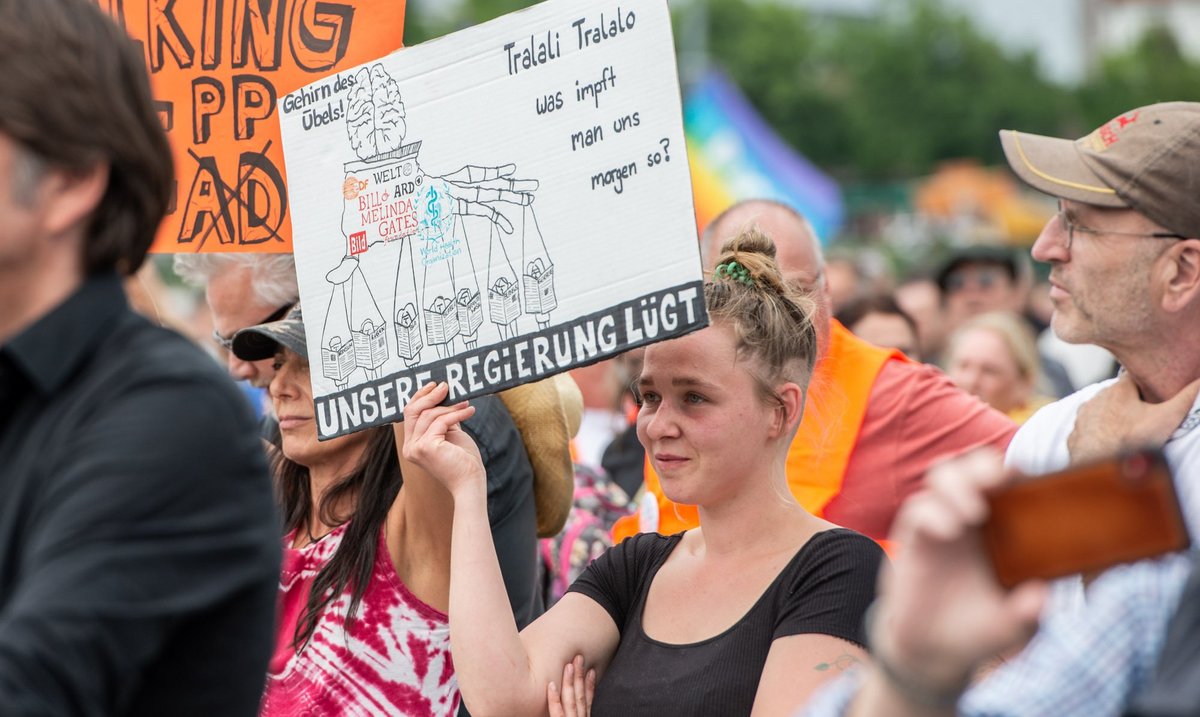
139,544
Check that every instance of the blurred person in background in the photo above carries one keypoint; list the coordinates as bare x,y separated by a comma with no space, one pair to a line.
874,420
151,297
242,290
1124,251
598,500
139,547
921,299
844,281
982,278
365,583
604,386
879,320
994,356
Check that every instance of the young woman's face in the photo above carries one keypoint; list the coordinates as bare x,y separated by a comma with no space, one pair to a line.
291,395
703,421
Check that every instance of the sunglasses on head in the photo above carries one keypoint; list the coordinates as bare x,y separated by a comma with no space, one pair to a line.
227,343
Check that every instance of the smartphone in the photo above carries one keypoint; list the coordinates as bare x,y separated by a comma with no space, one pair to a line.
1084,519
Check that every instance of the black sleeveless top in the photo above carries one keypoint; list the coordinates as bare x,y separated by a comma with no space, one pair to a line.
825,588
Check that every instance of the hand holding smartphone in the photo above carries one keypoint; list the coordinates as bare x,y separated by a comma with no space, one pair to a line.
1084,518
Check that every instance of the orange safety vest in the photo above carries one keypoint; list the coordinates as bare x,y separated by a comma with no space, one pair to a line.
817,459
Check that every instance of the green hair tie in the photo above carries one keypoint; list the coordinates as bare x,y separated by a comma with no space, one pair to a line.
735,271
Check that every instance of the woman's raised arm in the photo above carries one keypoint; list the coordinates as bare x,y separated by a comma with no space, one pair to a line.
500,671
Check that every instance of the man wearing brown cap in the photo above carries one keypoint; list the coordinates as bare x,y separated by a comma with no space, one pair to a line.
1124,251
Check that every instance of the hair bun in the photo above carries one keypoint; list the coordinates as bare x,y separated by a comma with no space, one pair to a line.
773,320
754,252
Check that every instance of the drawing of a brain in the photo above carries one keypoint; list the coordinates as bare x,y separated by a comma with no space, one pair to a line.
375,120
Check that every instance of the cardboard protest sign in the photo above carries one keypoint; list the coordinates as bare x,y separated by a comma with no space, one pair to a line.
494,207
218,69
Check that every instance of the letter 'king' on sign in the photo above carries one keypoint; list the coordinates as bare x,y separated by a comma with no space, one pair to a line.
218,71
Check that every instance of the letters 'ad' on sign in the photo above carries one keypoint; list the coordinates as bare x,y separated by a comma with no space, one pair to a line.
493,207
218,69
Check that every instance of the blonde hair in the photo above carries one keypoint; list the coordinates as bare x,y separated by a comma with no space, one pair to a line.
772,319
1017,337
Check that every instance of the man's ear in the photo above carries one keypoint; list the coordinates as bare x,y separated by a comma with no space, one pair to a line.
790,410
1181,287
71,196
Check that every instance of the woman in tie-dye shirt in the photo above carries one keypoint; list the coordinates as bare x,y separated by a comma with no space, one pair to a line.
365,582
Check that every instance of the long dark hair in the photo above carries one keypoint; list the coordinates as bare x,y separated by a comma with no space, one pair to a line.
370,488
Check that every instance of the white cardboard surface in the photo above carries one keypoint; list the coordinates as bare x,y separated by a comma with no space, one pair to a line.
492,207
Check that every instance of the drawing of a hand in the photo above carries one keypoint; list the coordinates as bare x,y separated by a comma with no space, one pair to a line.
475,190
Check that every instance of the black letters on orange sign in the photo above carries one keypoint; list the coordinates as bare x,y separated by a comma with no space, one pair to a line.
208,98
210,34
258,24
253,100
320,33
166,113
206,211
259,199
262,199
252,207
164,32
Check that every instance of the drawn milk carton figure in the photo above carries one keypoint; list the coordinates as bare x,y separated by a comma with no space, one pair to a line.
337,347
441,324
468,303
504,306
337,360
538,275
406,316
367,328
408,335
470,315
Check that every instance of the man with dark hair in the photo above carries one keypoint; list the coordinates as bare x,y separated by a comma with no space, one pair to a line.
1124,251
139,548
979,279
983,278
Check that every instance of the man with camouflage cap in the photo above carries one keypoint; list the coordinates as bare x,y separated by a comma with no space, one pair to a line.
1124,251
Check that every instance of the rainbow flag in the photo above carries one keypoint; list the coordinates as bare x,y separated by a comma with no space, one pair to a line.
735,155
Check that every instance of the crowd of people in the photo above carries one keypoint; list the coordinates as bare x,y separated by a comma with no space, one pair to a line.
778,514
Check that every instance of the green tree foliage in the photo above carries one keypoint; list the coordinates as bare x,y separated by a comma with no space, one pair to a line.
781,59
881,97
1153,70
427,19
886,97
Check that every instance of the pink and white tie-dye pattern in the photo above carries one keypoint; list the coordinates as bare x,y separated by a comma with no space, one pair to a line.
394,659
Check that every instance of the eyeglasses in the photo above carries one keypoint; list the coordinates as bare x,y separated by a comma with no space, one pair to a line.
1071,228
227,343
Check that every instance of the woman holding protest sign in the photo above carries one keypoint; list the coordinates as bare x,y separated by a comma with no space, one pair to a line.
751,611
364,587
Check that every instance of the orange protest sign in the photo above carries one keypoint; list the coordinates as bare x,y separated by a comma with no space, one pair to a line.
218,69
